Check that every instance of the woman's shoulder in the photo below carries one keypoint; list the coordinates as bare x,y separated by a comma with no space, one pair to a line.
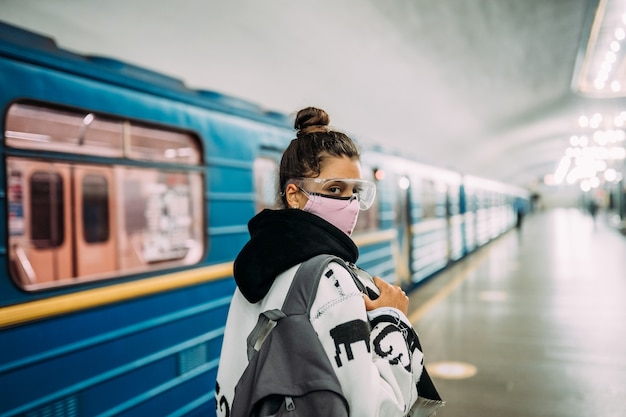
278,291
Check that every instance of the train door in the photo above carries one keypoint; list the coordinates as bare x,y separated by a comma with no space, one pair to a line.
403,227
39,220
93,235
449,225
462,214
455,222
59,220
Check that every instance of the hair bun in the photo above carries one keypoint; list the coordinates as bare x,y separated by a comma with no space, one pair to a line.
311,120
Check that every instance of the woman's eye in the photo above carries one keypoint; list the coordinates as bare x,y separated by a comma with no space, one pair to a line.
334,189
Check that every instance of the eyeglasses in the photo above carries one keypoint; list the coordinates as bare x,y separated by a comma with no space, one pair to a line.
363,190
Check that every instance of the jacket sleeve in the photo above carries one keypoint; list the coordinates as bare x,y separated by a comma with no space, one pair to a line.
377,364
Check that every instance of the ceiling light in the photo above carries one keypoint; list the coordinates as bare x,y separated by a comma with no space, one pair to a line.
585,186
602,47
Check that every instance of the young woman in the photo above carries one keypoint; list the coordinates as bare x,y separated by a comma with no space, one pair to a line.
377,359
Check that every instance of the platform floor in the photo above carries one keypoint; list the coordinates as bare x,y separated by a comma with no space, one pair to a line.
533,324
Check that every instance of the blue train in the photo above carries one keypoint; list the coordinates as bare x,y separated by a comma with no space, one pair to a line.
125,199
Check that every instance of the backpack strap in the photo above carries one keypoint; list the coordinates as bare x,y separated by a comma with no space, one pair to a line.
303,287
299,299
264,325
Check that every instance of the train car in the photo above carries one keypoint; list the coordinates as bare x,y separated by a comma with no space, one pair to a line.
492,208
418,211
125,199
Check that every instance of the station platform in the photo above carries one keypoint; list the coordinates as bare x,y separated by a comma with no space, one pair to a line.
533,324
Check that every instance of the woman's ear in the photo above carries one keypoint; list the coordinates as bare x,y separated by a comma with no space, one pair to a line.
292,194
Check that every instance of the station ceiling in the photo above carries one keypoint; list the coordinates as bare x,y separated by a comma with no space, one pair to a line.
482,86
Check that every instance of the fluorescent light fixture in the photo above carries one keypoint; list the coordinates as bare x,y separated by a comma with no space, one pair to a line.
601,65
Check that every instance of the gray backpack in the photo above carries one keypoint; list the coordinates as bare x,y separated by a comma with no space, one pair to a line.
290,374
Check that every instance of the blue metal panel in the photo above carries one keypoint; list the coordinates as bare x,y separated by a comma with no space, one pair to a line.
120,351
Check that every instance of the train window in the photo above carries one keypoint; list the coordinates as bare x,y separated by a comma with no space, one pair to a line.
151,144
95,208
265,182
30,126
35,127
72,220
46,207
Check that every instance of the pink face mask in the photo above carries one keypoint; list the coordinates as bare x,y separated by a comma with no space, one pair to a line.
339,211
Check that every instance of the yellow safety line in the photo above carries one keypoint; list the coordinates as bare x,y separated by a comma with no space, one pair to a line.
81,300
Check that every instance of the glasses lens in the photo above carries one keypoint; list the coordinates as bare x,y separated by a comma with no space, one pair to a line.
363,190
366,192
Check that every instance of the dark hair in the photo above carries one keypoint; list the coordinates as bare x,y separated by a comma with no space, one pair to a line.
313,143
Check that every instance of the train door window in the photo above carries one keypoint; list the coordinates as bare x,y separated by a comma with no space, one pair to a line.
95,213
46,207
30,126
265,182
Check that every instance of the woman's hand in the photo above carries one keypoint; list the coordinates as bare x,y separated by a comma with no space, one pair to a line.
390,296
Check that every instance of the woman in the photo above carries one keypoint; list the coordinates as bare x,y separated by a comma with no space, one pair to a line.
321,195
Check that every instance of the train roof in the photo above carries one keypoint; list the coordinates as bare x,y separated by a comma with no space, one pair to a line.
27,46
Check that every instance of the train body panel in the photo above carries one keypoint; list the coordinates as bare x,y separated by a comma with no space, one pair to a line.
125,199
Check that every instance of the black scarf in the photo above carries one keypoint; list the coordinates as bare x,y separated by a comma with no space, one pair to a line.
280,239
